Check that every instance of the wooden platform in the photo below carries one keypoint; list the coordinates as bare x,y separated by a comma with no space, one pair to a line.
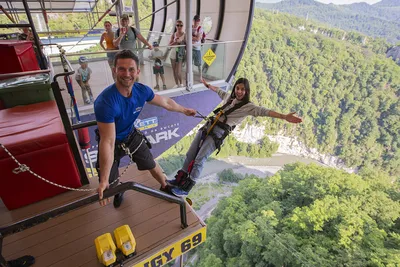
68,240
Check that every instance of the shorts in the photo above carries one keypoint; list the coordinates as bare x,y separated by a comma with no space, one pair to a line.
142,157
158,70
196,57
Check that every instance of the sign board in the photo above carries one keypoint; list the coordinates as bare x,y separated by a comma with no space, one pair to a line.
209,57
173,251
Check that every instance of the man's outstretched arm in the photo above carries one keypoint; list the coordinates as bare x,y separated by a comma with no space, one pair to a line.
171,105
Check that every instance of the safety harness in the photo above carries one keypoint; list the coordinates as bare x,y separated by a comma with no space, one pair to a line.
219,112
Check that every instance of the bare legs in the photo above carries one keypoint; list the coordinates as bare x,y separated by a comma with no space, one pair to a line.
177,69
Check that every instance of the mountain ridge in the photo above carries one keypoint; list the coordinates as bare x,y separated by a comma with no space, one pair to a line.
373,20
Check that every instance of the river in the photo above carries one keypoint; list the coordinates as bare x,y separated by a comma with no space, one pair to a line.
258,166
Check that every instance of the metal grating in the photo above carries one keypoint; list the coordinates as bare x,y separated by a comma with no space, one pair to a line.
53,6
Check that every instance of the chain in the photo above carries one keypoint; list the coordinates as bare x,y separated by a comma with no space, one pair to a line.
24,168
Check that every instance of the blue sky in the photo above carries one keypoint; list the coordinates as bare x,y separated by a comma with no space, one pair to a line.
337,2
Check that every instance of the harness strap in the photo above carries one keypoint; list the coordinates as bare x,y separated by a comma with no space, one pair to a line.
229,111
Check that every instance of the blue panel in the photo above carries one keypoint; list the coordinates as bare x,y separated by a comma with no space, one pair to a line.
163,128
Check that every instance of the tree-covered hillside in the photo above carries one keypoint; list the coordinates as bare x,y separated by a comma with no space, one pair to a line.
306,216
376,21
347,94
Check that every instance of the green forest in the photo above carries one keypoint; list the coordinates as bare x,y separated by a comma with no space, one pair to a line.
306,215
347,93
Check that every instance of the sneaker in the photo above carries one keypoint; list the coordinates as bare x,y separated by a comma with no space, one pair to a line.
118,198
87,101
180,175
156,87
176,86
22,261
164,87
182,85
179,192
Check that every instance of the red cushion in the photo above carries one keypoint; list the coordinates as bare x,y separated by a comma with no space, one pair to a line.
35,135
32,127
55,164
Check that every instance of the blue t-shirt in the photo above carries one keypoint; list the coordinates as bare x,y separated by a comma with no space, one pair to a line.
110,106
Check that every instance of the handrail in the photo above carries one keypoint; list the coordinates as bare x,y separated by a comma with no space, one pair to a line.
62,74
43,217
23,73
83,125
23,25
170,46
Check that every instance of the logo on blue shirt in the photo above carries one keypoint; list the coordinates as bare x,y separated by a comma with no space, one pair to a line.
138,109
146,123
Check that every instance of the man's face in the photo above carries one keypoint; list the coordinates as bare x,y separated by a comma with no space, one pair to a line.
124,22
126,72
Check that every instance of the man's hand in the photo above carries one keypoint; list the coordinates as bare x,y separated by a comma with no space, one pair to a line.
123,31
103,186
292,118
150,47
189,112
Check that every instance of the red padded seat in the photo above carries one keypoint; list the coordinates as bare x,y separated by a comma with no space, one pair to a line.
35,135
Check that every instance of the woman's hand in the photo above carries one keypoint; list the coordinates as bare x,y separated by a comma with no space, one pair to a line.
209,86
292,118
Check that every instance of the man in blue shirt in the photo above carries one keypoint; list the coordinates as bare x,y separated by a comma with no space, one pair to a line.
116,109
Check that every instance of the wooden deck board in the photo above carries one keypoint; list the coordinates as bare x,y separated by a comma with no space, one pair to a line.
68,240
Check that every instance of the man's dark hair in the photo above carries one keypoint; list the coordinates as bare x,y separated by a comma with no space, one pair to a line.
246,84
126,54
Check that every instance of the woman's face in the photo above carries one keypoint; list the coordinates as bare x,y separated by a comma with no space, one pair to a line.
240,91
107,26
179,26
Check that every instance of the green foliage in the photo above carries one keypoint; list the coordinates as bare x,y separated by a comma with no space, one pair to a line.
228,175
306,215
205,192
347,95
376,21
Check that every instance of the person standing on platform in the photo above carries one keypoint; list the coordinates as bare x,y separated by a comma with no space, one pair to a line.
82,77
116,109
197,34
108,37
125,37
158,69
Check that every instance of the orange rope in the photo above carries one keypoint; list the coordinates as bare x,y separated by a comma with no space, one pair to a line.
215,121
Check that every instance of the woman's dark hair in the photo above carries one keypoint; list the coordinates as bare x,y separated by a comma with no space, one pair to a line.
126,54
246,84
